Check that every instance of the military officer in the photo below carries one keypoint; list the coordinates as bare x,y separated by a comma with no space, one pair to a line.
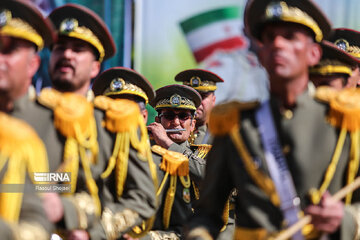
334,68
204,82
127,195
172,167
23,31
84,41
280,155
349,41
176,105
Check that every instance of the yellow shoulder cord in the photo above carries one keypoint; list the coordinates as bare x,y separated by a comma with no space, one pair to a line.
225,215
123,118
344,114
74,119
22,150
264,182
175,164
140,231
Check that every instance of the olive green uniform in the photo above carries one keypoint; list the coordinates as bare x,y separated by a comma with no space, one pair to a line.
181,209
308,141
139,190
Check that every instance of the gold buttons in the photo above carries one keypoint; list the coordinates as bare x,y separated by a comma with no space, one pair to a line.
288,114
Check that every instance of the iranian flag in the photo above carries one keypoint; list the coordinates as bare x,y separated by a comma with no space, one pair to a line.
212,30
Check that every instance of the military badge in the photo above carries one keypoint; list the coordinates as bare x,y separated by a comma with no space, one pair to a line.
175,100
186,195
117,84
5,16
342,44
68,25
195,81
274,10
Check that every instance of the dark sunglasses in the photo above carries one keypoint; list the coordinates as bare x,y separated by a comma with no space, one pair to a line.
171,116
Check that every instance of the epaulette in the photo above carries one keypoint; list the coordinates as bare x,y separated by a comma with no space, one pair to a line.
201,149
74,119
176,165
344,113
23,151
123,118
225,117
49,97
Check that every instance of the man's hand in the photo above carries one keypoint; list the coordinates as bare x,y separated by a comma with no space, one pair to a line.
53,206
159,134
326,216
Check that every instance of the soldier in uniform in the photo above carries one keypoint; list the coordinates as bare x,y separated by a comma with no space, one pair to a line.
176,105
23,31
125,183
84,41
204,82
172,167
349,41
283,156
334,69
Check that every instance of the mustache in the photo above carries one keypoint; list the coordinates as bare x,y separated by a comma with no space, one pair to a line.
65,63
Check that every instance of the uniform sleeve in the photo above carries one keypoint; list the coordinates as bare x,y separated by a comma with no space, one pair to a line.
137,202
196,164
217,185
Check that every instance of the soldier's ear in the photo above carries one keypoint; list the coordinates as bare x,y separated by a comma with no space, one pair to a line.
34,64
157,119
314,54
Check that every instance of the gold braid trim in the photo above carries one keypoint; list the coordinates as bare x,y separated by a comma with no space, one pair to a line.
225,215
115,224
29,231
344,113
123,118
261,179
176,164
169,201
85,206
225,117
325,93
155,235
22,150
249,233
74,118
18,28
49,97
345,110
202,149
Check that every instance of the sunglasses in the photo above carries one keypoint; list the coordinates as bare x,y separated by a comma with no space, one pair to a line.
182,116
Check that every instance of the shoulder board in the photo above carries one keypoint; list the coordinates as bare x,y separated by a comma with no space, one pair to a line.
325,93
122,115
73,113
345,109
102,102
202,149
225,117
158,150
49,97
175,163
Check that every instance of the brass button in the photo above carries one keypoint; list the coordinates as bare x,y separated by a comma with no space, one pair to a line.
286,149
288,114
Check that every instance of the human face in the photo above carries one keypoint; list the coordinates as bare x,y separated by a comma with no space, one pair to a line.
18,64
287,51
72,65
203,111
188,123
